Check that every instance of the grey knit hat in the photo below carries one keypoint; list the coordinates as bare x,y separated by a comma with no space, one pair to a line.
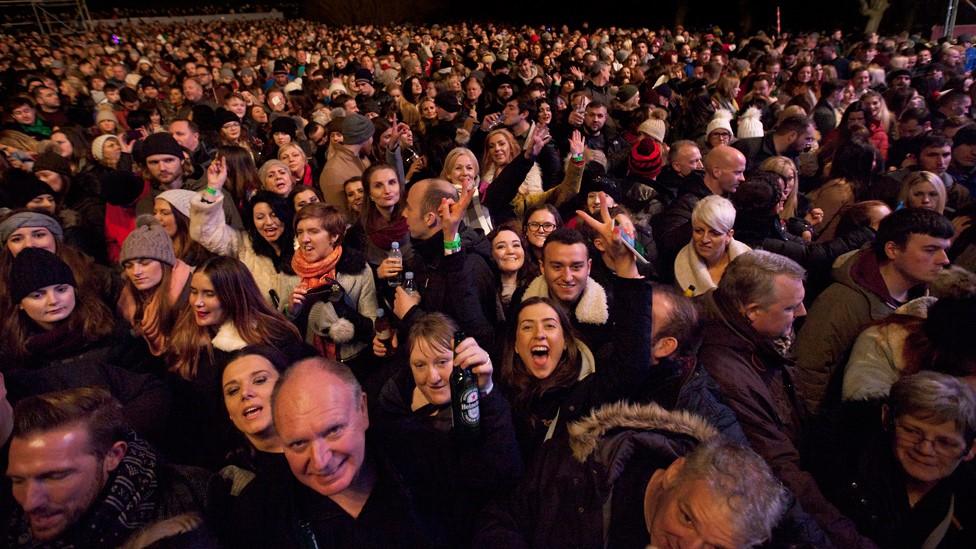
356,129
148,241
179,199
29,219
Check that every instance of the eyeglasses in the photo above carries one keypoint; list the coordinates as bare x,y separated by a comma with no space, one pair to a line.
541,227
942,446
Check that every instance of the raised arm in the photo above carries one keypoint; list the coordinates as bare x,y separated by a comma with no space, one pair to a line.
208,225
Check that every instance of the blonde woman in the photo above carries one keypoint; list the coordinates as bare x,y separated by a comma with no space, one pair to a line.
799,217
702,262
923,190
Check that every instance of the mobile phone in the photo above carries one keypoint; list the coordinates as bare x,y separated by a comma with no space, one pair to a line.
631,245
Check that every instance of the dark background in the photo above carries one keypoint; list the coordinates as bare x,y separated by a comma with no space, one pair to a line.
740,15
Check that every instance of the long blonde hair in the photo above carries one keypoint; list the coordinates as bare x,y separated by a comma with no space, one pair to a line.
782,166
916,178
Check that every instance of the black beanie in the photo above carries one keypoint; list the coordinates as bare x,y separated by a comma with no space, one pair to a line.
161,143
36,268
53,162
22,187
284,124
224,116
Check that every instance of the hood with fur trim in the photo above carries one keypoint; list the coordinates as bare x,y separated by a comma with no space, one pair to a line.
605,425
592,307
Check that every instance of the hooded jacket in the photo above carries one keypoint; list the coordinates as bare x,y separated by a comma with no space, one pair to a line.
856,298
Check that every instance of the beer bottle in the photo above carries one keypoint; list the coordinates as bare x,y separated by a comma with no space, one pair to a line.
383,329
464,398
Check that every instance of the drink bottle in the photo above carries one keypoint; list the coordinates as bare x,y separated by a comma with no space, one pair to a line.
409,285
465,408
384,331
395,254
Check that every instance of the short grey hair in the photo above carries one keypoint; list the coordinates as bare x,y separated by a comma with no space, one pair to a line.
749,278
678,146
715,212
738,476
934,396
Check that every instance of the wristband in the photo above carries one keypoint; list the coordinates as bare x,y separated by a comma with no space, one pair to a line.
454,244
211,191
577,158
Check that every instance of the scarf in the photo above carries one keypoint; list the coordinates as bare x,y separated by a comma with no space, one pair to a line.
314,275
385,236
56,343
126,504
691,270
148,326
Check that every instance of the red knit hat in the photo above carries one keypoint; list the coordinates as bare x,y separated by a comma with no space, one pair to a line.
645,158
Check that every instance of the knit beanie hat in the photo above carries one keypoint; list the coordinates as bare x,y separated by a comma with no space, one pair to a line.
54,162
224,116
356,129
99,143
626,92
645,158
179,199
654,128
161,143
148,241
448,101
29,219
364,75
105,114
284,124
750,124
36,268
721,121
22,187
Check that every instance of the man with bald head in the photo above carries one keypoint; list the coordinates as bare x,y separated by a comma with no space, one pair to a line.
448,262
341,493
724,170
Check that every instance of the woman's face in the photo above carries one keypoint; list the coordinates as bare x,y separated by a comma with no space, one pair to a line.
506,250
259,115
304,198
207,309
384,189
848,94
789,182
65,148
805,74
279,180
112,150
545,114
314,242
719,137
295,160
145,274
463,171
43,203
428,110
539,340
923,195
873,105
163,212
354,195
431,90
155,118
247,384
473,90
431,366
928,451
49,305
267,223
387,138
31,237
538,227
231,131
416,87
53,179
710,244
501,151
281,138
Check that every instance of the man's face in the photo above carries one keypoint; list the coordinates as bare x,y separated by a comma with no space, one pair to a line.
910,128
164,168
504,92
687,160
901,81
935,159
192,90
417,223
805,139
731,173
204,77
924,57
25,114
184,135
686,513
49,98
323,431
862,80
56,478
929,451
566,268
776,319
921,259
761,88
510,114
595,118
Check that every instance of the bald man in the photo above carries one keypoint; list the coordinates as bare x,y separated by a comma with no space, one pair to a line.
724,170
340,493
451,279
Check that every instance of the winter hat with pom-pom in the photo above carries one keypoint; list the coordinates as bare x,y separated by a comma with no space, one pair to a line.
750,124
148,241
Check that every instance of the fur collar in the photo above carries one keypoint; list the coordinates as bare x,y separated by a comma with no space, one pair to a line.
691,270
587,433
228,339
592,307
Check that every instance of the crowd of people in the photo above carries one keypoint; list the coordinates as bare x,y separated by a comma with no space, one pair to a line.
713,290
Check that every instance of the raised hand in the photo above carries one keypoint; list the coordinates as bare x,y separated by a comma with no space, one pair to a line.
576,143
217,173
451,213
625,264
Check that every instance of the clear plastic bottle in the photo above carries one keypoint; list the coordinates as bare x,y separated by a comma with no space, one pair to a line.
396,255
408,283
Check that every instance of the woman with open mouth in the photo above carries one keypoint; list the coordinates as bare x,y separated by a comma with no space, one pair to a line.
276,177
267,244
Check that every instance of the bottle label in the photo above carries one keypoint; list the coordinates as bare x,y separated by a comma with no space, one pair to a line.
470,410
383,335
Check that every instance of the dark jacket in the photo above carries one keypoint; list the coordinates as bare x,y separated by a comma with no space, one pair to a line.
564,500
757,149
757,382
457,478
824,117
672,227
301,518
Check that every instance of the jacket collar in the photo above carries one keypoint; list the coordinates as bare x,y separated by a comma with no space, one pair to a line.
228,339
592,307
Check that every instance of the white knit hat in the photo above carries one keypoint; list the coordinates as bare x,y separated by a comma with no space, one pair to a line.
721,121
99,143
654,128
179,199
750,124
